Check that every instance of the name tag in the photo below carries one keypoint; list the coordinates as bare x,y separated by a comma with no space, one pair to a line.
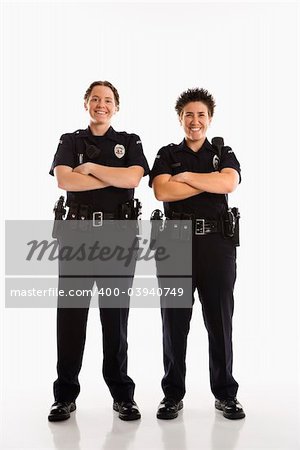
178,164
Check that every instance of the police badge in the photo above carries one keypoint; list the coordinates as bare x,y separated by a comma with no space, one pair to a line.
119,150
216,161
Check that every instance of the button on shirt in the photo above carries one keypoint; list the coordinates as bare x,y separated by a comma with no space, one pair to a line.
174,159
114,149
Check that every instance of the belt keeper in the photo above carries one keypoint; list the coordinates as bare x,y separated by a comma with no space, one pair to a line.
73,211
83,215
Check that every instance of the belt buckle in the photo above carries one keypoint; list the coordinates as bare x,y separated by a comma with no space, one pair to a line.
97,219
200,227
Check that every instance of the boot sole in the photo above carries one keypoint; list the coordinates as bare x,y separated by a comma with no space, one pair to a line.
128,418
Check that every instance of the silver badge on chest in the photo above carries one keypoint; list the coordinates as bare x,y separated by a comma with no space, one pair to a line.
119,150
216,162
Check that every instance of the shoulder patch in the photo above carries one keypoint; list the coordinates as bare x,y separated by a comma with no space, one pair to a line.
228,149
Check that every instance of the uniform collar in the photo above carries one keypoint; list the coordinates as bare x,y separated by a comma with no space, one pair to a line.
183,147
110,134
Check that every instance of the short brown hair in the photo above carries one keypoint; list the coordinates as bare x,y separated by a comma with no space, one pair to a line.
195,95
102,83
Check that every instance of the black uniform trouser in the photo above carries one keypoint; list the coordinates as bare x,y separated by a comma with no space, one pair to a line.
214,274
71,334
72,312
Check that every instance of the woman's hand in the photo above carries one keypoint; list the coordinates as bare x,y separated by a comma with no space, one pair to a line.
180,177
84,169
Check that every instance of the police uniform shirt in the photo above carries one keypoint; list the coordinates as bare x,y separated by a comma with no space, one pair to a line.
113,149
174,159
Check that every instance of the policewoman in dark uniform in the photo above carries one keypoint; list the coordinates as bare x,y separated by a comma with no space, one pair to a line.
99,168
192,181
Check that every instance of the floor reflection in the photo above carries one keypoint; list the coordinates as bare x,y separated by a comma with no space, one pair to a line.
121,435
225,433
173,433
66,433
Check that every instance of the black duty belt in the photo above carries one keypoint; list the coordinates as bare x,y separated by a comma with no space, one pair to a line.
85,212
201,225
99,216
84,217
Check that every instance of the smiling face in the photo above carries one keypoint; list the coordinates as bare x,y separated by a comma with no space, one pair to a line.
101,106
195,120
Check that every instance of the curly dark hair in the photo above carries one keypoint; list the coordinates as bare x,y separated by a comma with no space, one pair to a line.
102,83
195,95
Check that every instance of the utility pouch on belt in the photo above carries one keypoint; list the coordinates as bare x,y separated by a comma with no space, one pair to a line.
157,224
230,225
130,210
59,214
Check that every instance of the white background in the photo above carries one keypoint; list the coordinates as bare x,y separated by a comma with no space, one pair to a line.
245,54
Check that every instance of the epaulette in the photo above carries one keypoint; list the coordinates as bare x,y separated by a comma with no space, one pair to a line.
79,132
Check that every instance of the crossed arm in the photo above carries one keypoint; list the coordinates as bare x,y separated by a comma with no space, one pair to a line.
170,188
90,176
